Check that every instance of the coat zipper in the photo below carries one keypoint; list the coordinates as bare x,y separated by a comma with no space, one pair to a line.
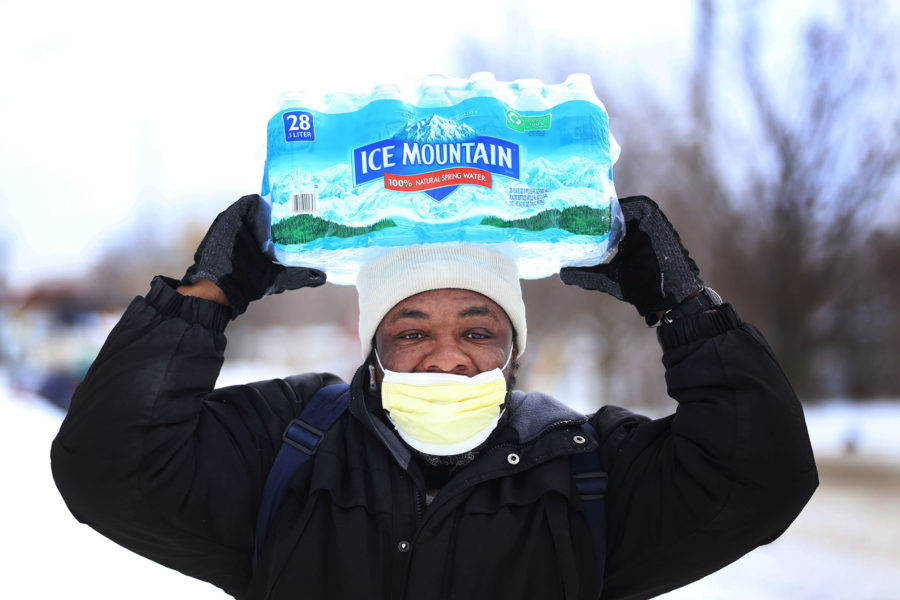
420,505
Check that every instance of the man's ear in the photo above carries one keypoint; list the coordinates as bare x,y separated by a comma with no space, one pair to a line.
373,382
514,358
374,369
515,350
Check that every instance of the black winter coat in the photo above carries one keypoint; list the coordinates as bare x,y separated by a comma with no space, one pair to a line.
153,457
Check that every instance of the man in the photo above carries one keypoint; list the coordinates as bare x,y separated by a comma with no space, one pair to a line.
438,482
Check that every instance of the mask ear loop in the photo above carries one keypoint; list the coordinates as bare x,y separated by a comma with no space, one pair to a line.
372,384
508,358
378,358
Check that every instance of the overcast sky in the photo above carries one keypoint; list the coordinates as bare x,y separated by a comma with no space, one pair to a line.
114,114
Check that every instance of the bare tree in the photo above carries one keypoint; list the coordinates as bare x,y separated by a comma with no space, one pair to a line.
774,185
799,223
782,214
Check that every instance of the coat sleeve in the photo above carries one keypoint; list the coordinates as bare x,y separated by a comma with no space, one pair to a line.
151,456
729,471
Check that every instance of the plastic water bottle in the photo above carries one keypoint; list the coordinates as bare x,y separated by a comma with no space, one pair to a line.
386,91
579,87
482,85
433,93
531,95
291,99
339,102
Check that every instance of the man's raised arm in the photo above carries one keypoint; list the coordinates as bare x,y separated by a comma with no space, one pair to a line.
150,454
733,467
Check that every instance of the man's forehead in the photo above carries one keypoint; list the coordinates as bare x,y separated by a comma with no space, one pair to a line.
458,302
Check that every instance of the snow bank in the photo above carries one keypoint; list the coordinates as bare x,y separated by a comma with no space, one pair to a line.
48,553
872,428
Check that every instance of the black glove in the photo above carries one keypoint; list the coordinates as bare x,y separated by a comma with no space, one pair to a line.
651,269
231,257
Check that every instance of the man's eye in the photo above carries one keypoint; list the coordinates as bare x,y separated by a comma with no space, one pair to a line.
473,335
411,336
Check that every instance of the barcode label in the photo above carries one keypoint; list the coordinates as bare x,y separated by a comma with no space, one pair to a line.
305,203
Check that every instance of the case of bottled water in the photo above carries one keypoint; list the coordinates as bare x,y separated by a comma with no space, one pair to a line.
522,167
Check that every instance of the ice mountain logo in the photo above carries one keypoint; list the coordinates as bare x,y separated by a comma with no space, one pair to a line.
435,156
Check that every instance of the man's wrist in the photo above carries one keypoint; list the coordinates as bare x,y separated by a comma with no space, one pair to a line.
165,298
204,289
705,299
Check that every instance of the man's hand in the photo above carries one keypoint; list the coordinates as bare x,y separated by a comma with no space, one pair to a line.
231,257
651,269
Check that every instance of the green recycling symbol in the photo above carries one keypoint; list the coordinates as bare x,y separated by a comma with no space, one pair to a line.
514,121
517,122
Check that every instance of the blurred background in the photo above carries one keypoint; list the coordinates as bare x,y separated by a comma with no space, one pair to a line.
769,133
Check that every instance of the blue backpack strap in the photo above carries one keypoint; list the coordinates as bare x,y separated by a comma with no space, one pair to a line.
590,479
301,440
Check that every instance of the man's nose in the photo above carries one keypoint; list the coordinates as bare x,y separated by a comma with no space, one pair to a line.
447,357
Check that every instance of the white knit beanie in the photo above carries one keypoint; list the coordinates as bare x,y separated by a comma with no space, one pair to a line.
398,274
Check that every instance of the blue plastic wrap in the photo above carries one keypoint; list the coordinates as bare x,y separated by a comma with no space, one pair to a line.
521,167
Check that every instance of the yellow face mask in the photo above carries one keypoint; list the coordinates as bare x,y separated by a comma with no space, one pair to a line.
440,413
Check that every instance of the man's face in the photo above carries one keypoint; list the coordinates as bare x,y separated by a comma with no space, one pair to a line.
445,331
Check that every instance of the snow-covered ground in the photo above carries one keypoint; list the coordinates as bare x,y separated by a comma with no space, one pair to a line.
846,544
48,553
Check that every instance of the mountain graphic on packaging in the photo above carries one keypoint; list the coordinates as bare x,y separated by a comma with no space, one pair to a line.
364,207
435,129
